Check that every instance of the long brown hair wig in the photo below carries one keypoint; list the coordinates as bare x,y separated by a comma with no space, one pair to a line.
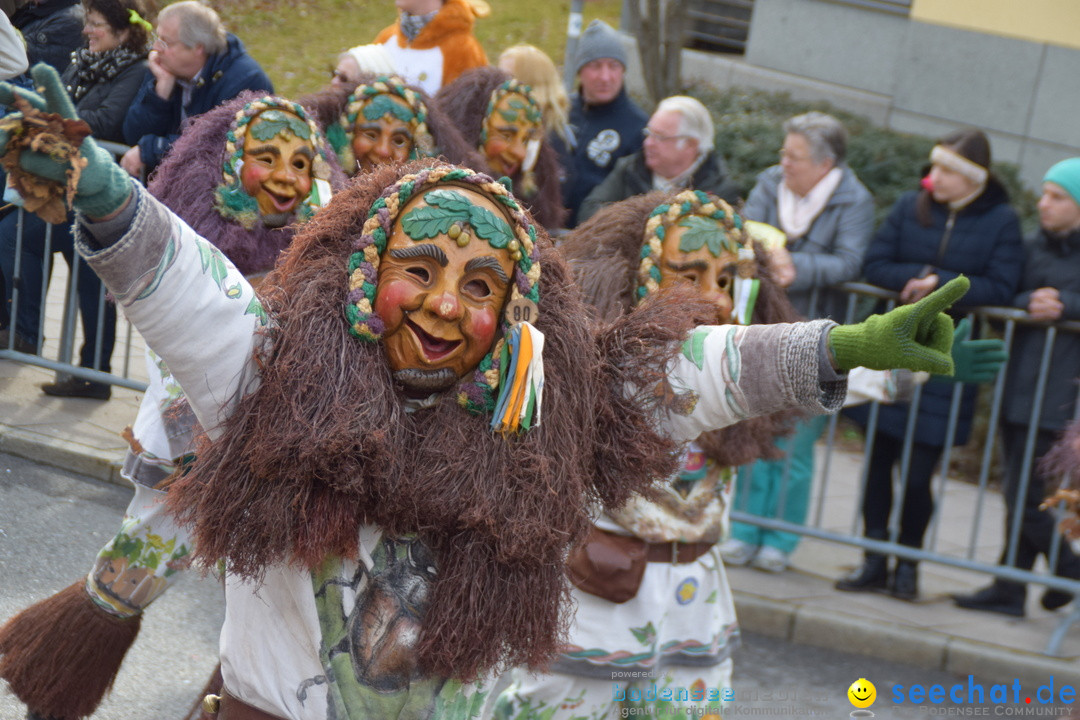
604,254
187,178
328,104
466,102
324,446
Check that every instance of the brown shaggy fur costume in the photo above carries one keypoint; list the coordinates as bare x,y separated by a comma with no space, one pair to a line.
328,104
61,655
185,181
466,101
605,253
324,446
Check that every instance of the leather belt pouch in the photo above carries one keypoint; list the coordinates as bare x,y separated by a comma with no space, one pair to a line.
233,709
608,565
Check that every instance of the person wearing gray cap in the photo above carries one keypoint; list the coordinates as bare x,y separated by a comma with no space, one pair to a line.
606,123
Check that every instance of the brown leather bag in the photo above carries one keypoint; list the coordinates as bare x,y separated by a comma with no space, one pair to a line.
608,565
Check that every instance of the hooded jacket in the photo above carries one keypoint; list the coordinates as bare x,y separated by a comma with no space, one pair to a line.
445,48
153,123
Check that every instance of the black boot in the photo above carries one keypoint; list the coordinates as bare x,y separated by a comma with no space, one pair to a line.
1066,567
1053,599
905,580
1000,597
871,576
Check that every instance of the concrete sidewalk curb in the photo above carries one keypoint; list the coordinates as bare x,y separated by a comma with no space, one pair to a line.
66,455
790,620
920,647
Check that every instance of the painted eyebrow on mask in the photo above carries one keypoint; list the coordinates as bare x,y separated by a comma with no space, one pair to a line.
273,149
423,250
489,263
692,265
377,126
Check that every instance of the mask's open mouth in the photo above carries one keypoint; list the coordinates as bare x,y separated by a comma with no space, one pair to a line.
282,203
434,348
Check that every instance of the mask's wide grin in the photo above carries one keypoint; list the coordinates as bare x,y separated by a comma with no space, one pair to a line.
282,203
433,348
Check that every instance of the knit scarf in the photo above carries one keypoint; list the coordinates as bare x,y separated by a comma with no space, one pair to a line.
796,214
680,181
411,25
91,68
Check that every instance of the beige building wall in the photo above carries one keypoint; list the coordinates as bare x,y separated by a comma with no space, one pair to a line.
1043,21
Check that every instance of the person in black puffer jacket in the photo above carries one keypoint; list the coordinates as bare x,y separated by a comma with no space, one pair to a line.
960,223
1050,291
52,30
102,79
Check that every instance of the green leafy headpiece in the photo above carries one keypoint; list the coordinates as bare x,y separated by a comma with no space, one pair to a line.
278,116
373,101
708,222
446,209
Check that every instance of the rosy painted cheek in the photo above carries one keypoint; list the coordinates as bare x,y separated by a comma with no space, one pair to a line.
392,298
303,187
252,177
362,151
493,149
480,327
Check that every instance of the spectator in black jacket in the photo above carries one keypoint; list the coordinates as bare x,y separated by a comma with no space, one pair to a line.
605,123
195,66
52,30
1050,291
677,153
102,80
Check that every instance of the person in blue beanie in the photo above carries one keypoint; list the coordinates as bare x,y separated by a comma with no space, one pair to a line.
606,123
1049,291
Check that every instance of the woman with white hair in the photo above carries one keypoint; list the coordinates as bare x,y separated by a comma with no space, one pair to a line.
828,217
678,152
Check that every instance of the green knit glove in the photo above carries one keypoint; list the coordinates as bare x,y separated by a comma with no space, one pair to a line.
917,337
976,361
103,187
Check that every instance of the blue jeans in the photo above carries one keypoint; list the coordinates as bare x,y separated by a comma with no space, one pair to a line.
34,269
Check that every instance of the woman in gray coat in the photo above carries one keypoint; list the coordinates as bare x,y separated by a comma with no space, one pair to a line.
828,216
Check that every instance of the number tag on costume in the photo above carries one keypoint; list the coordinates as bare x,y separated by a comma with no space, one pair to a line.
521,310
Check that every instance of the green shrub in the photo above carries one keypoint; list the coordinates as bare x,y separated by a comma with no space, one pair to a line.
749,133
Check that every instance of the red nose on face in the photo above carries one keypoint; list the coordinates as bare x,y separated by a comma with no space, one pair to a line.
927,184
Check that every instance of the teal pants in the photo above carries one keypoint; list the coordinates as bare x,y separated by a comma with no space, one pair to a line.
779,488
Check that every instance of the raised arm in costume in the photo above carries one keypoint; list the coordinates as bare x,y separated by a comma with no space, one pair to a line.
61,655
385,550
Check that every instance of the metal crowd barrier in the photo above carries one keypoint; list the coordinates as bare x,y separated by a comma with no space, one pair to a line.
963,558
814,527
64,328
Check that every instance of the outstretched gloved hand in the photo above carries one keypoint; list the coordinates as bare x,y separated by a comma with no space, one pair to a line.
103,187
917,336
975,361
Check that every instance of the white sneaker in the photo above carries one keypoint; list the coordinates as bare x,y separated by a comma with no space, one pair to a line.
737,552
770,559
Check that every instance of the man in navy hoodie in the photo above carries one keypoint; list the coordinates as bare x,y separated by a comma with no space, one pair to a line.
194,67
606,123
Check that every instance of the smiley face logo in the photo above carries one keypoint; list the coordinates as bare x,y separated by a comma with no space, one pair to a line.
862,693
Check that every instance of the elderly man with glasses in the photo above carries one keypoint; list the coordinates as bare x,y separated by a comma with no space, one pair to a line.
677,153
195,66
